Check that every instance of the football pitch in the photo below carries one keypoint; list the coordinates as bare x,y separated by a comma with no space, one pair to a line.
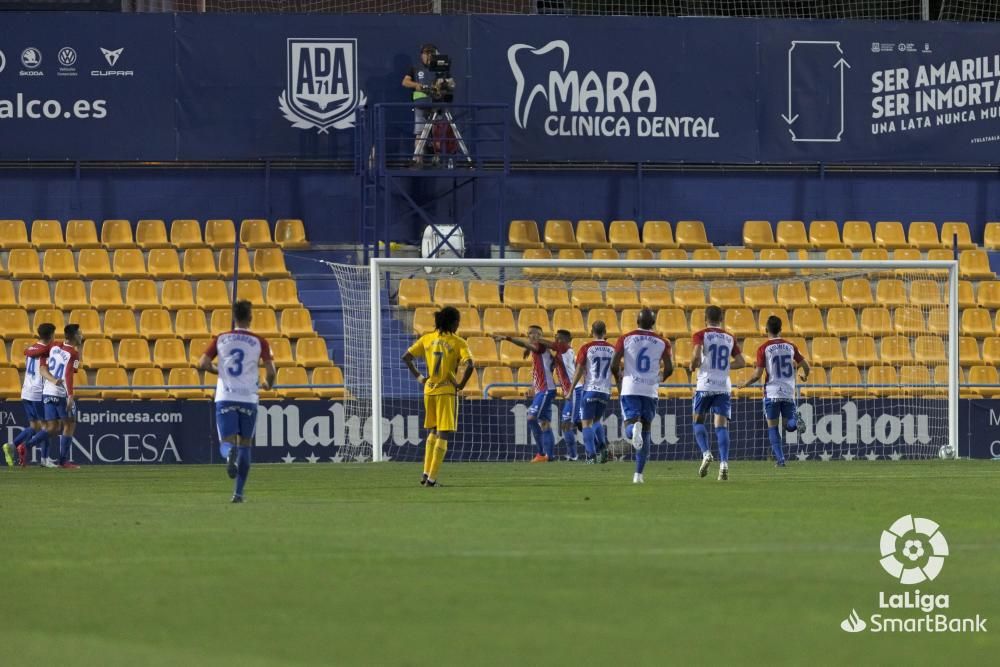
557,564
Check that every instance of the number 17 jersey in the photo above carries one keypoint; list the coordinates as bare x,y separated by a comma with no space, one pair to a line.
642,351
597,355
240,353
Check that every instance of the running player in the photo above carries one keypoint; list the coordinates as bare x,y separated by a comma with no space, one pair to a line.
715,352
31,398
568,419
240,353
779,360
442,351
593,382
58,398
644,352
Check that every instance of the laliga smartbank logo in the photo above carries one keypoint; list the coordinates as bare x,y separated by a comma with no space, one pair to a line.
913,552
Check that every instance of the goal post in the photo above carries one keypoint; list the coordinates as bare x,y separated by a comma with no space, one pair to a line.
885,385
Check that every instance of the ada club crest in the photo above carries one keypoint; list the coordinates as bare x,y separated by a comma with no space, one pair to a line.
322,88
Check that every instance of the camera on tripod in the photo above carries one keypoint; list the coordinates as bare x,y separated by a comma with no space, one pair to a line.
442,89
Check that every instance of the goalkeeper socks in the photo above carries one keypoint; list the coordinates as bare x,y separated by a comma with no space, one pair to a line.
41,440
429,452
588,440
549,444
722,435
569,439
701,437
64,443
440,449
775,437
24,435
643,454
536,433
242,469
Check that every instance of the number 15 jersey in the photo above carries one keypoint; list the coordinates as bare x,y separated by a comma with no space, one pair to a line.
778,358
240,353
642,351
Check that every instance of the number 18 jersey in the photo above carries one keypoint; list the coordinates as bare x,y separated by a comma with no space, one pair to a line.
778,358
642,351
240,353
717,349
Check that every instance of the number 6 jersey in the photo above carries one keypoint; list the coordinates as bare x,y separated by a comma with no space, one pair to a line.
642,351
778,358
239,352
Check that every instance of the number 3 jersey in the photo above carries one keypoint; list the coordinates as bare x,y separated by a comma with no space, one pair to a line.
642,351
717,348
240,353
778,358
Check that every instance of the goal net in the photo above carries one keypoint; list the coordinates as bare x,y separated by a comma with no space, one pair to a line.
880,337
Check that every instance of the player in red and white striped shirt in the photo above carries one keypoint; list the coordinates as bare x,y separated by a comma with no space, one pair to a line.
58,397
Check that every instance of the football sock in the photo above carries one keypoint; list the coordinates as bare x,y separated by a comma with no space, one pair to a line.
549,444
440,449
24,435
242,468
775,437
643,454
628,430
722,435
701,437
41,440
64,442
429,452
601,435
569,439
589,440
536,433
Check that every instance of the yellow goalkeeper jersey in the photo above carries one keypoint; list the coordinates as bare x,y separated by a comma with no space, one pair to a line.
442,352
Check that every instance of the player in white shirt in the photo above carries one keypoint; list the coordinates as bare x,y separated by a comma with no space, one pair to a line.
240,352
715,351
643,352
779,360
34,434
572,391
593,381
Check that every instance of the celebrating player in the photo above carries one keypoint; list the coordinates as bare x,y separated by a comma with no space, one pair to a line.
240,352
544,364
780,360
568,419
644,353
442,351
31,398
713,349
593,382
57,393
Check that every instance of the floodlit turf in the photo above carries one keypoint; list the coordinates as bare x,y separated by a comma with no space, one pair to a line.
507,565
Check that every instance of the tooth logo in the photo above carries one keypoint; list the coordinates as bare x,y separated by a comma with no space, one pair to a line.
913,550
853,623
522,105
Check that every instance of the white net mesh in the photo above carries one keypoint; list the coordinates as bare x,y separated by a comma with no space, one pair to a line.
969,10
877,341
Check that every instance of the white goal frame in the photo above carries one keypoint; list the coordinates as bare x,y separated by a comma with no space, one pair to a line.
379,264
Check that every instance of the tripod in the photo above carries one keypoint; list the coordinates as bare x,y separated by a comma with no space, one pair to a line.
439,116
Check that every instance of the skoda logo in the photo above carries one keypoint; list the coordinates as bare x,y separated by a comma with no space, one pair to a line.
31,57
67,56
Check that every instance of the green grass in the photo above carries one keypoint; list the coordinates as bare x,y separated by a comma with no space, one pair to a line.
508,564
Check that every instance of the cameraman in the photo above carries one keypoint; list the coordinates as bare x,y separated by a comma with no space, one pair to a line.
419,80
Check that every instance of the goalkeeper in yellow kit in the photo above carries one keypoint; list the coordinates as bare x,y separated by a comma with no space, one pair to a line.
443,352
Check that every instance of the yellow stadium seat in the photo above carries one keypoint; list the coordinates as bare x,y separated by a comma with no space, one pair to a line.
621,294
551,294
874,255
189,323
13,234
930,350
482,293
775,254
858,292
759,295
331,375
164,263
906,255
106,294
500,375
281,352
968,351
3,270
858,235
923,236
697,322
791,235
941,375
483,350
23,263
827,351
559,235
117,234
292,382
48,315
991,236
740,322
682,350
839,255
290,233
34,294
750,346
824,234
10,383
7,298
70,294
200,263
861,350
824,294
226,264
134,353
523,234
674,254
113,377
270,263
925,293
449,292
678,385
606,273
708,254
176,294
221,321
96,263
670,323
940,254
151,234
991,351
470,324
890,292
147,383
141,294
657,235
841,322
972,265
951,230
512,356
265,322
197,346
499,321
169,353
909,320
895,350
741,254
128,263
977,322
989,294
220,234
155,323
987,377
876,321
793,295
81,234
3,356
780,313
818,385
725,294
47,234
965,295
413,293
606,315
89,321
186,234
17,348
545,253
758,234
283,293
539,317
624,235
809,321
250,290
654,294
256,233
690,234
99,353
586,294
913,376
120,323
521,293
186,377
689,294
937,321
882,381
591,235
572,272
889,235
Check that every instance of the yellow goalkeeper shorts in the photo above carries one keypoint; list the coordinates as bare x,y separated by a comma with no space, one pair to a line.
441,412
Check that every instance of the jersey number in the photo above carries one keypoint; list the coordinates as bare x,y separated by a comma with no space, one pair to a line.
32,367
235,365
718,357
781,367
602,371
56,368
643,362
438,356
